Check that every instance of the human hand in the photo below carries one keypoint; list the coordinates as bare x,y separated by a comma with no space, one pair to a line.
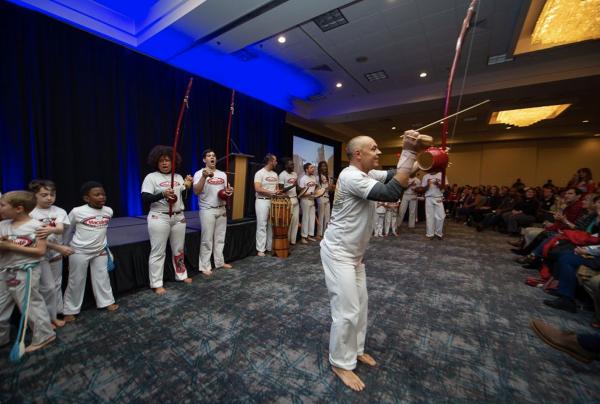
43,232
207,172
64,250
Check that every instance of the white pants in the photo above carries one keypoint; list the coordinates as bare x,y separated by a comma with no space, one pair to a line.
390,222
529,233
161,228
214,226
38,319
78,266
308,217
264,231
324,216
293,231
409,203
51,286
347,287
380,221
434,215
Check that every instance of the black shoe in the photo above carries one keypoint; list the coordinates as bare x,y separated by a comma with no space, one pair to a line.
517,251
562,303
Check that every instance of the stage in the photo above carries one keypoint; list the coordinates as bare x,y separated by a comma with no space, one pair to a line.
128,240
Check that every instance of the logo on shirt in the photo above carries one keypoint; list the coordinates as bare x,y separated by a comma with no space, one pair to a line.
291,181
50,221
215,181
22,241
271,179
167,184
311,184
96,221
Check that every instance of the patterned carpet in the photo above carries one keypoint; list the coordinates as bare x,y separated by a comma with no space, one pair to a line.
447,322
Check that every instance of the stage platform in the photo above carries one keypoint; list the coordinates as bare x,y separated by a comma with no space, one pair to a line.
128,240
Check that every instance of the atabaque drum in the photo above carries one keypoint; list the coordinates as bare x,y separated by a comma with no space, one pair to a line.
433,160
281,214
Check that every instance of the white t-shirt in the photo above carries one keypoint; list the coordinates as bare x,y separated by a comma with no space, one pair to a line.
433,180
90,228
158,182
50,217
24,235
209,197
351,224
412,184
286,179
267,180
310,182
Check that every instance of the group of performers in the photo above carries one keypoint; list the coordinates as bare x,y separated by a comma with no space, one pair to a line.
32,247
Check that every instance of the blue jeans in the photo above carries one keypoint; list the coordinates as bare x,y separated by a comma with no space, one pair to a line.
568,263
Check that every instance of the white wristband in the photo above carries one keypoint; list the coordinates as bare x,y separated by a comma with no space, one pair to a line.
406,160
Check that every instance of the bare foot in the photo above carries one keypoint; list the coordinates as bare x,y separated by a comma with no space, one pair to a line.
32,347
160,290
58,323
187,280
207,274
226,266
260,254
68,318
366,359
112,307
349,378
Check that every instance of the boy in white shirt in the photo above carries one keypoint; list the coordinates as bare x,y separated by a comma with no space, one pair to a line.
391,215
265,185
89,223
55,221
380,211
307,203
409,201
21,251
208,182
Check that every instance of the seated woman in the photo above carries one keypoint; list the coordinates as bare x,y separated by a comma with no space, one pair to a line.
566,261
523,214
583,181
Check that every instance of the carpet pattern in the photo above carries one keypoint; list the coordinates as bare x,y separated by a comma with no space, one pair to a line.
448,321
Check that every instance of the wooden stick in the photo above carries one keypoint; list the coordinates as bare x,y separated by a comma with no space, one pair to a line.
453,115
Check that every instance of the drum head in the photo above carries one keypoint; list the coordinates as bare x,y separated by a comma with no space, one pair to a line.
320,192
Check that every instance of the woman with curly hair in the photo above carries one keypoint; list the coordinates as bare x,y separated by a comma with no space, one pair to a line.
157,191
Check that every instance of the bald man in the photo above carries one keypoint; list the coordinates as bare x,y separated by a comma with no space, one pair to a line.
346,240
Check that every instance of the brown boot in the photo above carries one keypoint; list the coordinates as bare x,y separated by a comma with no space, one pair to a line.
565,341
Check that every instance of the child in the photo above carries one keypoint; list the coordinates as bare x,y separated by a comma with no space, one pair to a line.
90,249
54,219
20,252
391,216
380,211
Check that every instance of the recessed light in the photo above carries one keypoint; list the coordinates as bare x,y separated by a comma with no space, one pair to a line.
585,121
509,127
338,85
281,39
393,128
423,74
597,135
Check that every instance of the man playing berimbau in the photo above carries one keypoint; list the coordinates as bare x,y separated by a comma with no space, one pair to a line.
346,240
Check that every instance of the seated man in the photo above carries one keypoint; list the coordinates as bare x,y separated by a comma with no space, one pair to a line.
583,347
590,280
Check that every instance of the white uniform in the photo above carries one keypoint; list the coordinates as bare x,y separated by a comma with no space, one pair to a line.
409,201
213,219
262,207
90,245
342,251
391,215
434,204
380,211
324,207
52,264
13,281
162,227
307,204
286,179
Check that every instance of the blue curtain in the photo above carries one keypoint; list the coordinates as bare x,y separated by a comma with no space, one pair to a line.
75,107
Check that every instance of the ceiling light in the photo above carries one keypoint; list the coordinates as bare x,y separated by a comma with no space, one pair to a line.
509,127
338,85
378,75
281,39
567,21
597,135
585,121
423,74
394,128
527,116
